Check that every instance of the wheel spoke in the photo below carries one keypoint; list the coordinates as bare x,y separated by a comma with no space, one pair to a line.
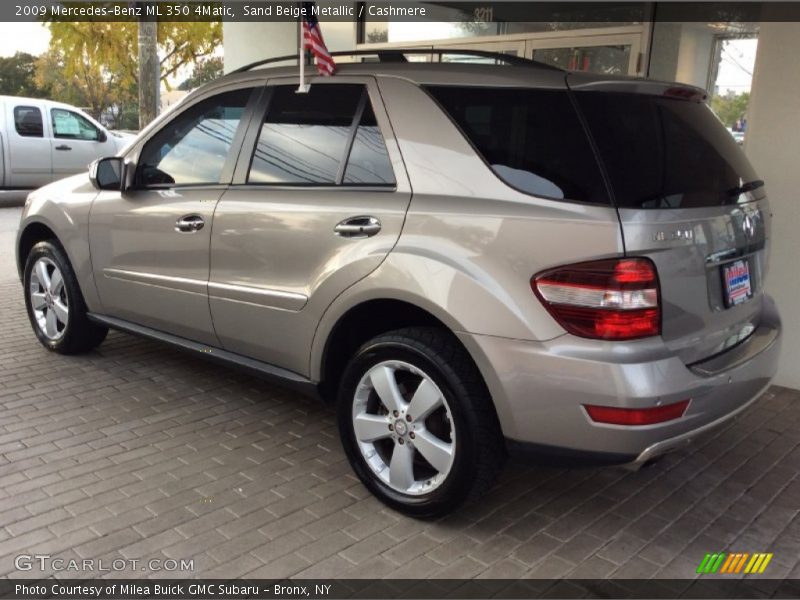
41,274
437,452
425,400
370,428
386,386
56,282
401,469
37,300
51,328
61,311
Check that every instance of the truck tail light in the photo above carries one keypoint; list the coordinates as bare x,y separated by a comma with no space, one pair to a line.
613,299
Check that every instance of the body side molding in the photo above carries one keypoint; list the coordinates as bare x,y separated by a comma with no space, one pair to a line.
289,379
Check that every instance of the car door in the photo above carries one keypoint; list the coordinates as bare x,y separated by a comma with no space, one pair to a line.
29,158
150,243
76,142
318,200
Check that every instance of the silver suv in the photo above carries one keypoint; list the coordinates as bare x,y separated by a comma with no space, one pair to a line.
469,259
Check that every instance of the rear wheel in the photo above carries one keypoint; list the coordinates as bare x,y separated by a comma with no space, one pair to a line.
417,422
54,302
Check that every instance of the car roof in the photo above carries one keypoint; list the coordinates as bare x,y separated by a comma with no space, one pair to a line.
424,73
514,72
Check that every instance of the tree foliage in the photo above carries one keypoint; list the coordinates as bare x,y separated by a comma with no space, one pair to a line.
18,76
731,107
98,61
204,71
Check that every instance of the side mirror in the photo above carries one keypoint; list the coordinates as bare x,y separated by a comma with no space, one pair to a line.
102,136
107,173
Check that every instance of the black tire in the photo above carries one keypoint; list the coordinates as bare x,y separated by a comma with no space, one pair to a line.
479,449
79,334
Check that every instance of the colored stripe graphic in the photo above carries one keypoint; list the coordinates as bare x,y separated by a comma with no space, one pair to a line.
764,564
754,562
741,562
703,563
715,567
734,563
729,563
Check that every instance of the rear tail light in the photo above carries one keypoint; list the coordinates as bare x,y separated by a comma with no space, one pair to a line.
615,299
636,416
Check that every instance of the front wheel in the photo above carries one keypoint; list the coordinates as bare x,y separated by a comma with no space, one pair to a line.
55,304
417,422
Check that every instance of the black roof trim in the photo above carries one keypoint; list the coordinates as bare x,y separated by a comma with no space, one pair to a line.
395,55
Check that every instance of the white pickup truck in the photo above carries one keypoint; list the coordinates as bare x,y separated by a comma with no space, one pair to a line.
42,141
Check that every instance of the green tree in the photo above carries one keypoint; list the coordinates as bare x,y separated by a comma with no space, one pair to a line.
731,107
82,83
203,72
18,76
100,60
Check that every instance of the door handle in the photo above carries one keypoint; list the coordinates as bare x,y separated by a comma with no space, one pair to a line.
358,227
63,147
189,224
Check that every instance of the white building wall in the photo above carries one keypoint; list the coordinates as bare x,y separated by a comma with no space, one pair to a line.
682,52
247,42
773,145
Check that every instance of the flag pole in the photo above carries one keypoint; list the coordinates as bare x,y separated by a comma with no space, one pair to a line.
303,88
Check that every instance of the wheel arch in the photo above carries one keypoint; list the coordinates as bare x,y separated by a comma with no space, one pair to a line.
33,233
340,336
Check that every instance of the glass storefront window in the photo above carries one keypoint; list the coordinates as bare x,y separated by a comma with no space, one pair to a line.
474,21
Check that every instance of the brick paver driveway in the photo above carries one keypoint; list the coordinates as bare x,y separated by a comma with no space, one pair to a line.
140,451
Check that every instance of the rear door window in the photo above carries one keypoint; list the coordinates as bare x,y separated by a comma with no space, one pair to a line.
663,152
533,139
327,136
28,121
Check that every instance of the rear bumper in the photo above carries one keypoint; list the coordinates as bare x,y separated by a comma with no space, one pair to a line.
539,390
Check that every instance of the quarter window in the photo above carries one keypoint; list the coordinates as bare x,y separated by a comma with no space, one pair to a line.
71,125
533,139
369,161
28,121
192,148
309,139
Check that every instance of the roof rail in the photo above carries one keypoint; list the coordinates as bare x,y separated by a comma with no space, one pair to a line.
395,55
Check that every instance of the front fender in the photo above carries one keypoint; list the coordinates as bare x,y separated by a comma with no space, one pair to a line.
63,207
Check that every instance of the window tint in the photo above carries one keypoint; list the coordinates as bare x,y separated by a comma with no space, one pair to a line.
28,121
193,147
369,160
533,139
70,125
306,137
664,152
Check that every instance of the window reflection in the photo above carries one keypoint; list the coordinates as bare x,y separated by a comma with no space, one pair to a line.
193,148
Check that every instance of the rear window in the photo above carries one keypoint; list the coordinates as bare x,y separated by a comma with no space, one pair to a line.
28,121
531,138
664,152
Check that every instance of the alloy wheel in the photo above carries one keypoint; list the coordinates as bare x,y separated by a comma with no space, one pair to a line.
404,428
49,300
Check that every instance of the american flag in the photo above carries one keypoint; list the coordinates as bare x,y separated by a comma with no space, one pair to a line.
312,39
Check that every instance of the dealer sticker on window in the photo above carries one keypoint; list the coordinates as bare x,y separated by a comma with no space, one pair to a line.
736,277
